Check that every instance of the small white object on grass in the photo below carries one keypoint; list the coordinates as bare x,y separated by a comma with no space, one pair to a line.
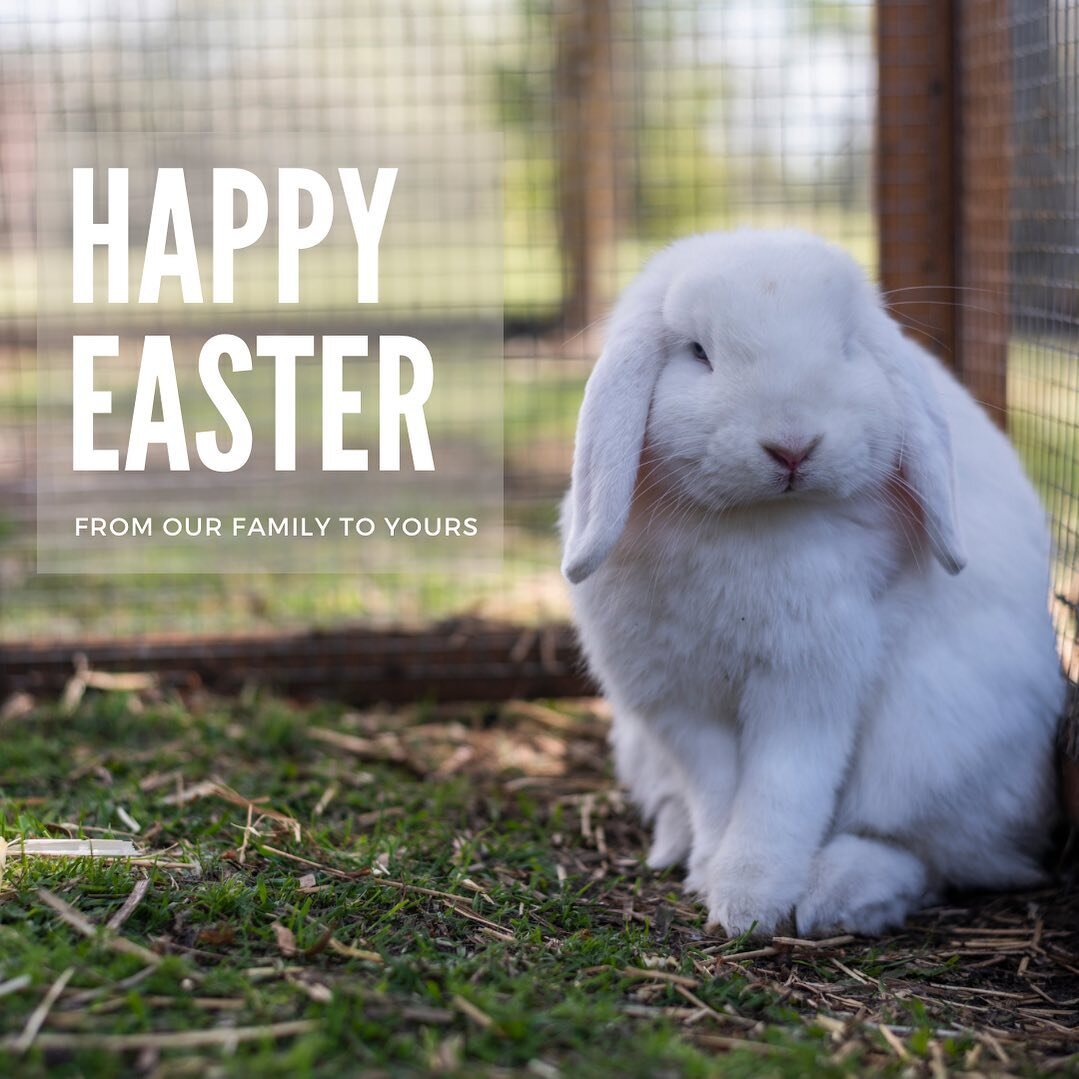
72,848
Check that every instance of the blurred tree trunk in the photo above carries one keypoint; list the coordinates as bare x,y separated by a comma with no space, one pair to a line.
586,97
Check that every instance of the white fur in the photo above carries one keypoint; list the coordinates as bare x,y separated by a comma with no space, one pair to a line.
820,717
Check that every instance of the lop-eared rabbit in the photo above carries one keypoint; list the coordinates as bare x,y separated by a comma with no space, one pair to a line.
811,577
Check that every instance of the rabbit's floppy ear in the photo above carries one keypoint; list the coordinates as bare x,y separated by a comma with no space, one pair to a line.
926,450
610,436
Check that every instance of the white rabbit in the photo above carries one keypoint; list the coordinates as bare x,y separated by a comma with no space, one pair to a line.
765,531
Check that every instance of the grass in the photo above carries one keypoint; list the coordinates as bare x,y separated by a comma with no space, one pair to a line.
540,409
452,890
539,414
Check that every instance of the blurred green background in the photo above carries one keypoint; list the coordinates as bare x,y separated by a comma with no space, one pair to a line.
623,124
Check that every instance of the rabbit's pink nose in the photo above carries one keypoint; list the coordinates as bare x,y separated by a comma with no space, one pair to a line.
790,457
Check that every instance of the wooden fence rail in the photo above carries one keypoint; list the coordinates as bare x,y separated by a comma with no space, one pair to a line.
450,662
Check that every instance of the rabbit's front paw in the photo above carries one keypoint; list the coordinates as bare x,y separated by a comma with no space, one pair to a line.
747,894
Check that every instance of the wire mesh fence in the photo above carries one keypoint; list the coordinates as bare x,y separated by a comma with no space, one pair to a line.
1038,45
622,124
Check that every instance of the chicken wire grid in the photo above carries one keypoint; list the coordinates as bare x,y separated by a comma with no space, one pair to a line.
936,141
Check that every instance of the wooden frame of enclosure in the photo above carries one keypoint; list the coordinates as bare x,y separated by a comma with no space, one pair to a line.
943,175
942,195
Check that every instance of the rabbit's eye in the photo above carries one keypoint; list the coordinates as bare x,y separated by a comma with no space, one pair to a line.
698,350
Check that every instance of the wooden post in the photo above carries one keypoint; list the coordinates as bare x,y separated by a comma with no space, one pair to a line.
915,173
586,156
943,180
984,57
